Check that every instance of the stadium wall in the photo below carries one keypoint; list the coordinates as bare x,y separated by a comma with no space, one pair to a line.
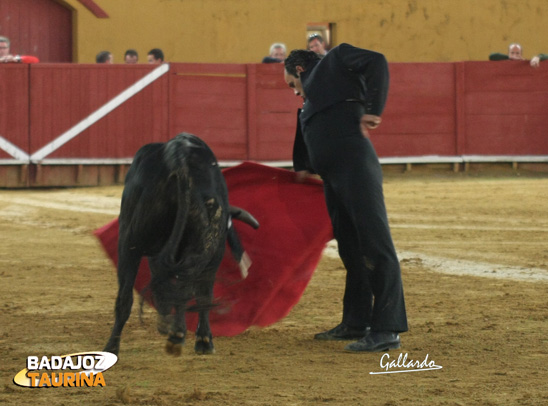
241,31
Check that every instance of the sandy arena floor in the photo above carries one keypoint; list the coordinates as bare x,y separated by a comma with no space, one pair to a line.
474,254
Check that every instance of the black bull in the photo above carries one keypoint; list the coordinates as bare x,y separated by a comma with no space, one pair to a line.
175,211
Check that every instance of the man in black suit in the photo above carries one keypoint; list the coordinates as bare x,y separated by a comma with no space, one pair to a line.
344,95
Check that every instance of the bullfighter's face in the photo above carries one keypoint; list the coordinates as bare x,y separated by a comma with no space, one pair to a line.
295,82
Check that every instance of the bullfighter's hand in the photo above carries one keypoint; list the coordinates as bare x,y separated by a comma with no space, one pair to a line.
301,176
369,122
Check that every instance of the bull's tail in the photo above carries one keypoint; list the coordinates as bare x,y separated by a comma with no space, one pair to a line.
176,159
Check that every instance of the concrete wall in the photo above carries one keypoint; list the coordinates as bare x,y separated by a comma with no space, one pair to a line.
241,31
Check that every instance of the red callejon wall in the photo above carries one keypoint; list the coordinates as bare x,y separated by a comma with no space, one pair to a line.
419,117
246,111
241,111
14,106
211,102
272,113
506,108
64,95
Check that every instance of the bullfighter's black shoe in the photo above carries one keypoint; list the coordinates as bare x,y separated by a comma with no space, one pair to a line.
342,332
375,341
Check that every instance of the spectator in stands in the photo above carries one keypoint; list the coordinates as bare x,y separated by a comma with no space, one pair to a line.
6,57
515,54
104,57
277,53
131,56
317,44
155,56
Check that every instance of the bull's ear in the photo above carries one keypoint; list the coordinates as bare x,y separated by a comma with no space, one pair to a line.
242,215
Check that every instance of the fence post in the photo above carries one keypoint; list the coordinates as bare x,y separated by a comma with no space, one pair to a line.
251,86
460,107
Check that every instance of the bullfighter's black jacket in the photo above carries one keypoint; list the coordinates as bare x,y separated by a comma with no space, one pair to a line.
346,73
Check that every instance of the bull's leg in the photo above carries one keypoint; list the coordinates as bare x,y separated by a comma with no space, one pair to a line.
204,299
177,333
165,318
128,265
163,294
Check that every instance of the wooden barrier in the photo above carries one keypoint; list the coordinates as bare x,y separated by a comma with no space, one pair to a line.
420,113
506,108
14,110
68,124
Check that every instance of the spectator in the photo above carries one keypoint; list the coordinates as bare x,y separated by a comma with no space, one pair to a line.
6,57
515,54
155,56
104,57
131,56
277,53
317,44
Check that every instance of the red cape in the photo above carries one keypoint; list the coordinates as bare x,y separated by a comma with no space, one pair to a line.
285,250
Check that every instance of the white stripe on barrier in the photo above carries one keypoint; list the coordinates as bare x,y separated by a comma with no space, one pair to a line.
100,113
13,150
505,158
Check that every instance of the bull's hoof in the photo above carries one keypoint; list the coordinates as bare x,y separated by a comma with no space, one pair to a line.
163,323
113,346
204,346
176,338
174,349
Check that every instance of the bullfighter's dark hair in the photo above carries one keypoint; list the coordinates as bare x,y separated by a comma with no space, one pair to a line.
302,58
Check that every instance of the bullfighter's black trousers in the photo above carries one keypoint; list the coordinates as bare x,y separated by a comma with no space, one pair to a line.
352,175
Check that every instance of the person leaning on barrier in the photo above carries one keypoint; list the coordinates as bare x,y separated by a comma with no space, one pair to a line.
104,57
155,56
344,94
316,44
277,53
131,56
515,54
6,57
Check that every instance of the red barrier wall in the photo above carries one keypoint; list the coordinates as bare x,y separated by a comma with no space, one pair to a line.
272,113
64,94
241,111
211,102
246,111
14,106
419,117
506,108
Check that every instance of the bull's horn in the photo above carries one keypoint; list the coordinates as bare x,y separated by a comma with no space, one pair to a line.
242,215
